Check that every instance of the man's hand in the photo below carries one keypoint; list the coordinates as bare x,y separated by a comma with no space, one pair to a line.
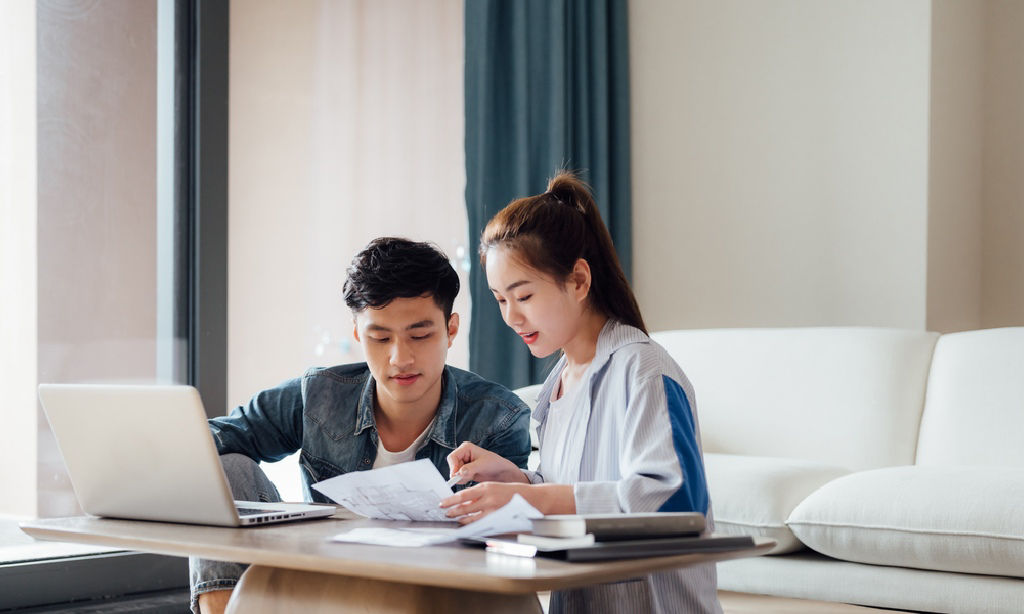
473,463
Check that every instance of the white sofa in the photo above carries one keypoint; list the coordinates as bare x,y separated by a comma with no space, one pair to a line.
887,464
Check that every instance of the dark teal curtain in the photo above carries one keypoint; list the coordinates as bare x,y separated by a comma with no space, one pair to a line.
547,87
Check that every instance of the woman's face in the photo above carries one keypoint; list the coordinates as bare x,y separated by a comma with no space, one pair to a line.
544,313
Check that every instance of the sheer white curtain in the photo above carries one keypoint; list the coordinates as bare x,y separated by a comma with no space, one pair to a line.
18,261
346,124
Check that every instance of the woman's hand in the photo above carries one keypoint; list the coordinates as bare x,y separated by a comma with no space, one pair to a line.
477,501
474,464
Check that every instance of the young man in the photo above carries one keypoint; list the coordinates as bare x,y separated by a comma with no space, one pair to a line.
403,403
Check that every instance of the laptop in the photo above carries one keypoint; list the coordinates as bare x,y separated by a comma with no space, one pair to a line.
146,453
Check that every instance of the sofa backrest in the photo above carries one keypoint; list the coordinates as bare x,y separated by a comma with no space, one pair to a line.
974,409
845,396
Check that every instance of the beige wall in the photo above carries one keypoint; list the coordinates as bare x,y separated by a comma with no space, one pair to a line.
955,168
269,189
1003,251
18,257
346,124
780,159
976,215
828,163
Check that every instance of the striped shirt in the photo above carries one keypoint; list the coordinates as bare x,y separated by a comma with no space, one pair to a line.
631,445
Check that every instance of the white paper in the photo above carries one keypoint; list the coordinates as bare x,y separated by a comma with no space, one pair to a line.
381,536
407,491
513,517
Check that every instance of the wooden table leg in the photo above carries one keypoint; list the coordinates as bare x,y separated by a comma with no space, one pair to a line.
271,590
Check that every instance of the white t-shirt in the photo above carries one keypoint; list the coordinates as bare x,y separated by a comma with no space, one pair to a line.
386,458
560,425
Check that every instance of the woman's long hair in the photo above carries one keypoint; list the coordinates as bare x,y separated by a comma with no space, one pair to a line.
550,231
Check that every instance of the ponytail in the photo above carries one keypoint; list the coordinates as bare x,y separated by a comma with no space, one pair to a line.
550,231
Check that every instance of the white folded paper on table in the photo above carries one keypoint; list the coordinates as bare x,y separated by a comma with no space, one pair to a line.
513,517
408,538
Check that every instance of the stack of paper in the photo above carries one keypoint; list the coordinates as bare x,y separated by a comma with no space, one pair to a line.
413,491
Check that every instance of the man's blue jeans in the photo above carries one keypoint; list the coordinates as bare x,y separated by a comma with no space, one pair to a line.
248,483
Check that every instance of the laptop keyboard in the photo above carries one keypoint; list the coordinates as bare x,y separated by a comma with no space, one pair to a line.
252,511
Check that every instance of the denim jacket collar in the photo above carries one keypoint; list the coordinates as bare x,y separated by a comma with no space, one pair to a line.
443,430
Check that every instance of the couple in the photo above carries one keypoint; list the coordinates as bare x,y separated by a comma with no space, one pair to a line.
618,427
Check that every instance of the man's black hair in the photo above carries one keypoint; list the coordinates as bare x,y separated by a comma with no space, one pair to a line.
391,267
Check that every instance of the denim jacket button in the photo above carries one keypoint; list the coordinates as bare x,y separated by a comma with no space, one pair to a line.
366,461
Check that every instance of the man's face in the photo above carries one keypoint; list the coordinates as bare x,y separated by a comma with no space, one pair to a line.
406,343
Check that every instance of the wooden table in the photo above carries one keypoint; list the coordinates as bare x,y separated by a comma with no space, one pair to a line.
296,568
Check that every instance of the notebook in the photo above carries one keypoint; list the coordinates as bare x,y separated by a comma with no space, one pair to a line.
146,453
619,549
608,527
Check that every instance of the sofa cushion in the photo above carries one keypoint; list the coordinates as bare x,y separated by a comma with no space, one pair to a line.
529,396
974,410
809,575
963,519
850,397
754,495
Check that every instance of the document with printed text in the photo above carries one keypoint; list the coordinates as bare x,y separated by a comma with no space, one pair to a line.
407,491
515,516
413,491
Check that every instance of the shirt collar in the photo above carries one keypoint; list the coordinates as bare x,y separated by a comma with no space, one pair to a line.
443,432
613,335
364,415
443,429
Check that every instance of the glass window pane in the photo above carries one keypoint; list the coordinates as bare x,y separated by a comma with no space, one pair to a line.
98,287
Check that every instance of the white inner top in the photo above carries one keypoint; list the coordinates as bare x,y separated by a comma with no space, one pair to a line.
558,435
386,457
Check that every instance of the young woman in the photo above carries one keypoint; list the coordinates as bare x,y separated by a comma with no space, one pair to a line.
618,430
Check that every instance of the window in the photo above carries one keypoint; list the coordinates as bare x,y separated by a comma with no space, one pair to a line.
95,255
105,276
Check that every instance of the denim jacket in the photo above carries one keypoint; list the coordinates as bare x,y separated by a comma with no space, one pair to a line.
328,415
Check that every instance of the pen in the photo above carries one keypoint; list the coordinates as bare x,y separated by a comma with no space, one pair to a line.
453,480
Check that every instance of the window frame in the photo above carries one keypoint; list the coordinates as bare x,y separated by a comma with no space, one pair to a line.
82,579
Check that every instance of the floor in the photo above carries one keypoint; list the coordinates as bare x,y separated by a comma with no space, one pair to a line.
742,603
175,602
164,602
